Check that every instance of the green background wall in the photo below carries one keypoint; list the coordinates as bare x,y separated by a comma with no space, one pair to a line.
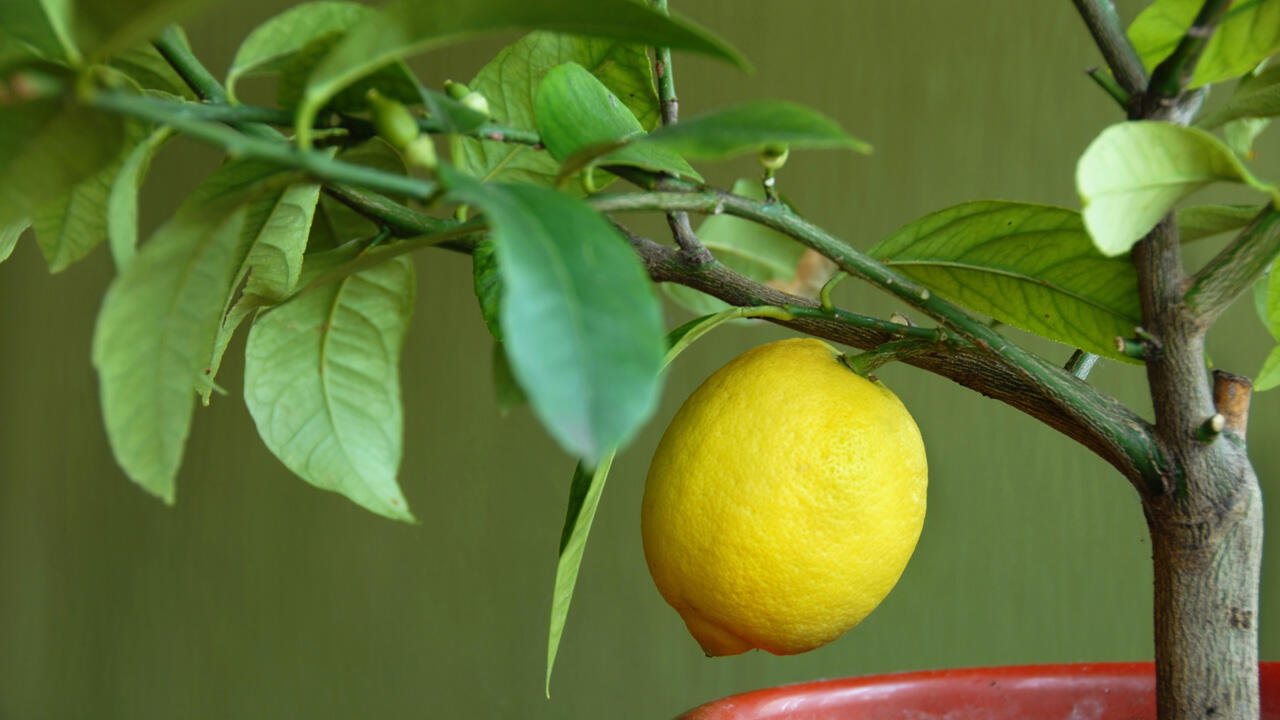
258,596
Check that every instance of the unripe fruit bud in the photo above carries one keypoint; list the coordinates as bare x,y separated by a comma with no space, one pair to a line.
773,157
455,90
421,152
477,102
393,121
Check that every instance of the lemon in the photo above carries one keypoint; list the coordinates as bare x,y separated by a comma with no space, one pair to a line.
784,501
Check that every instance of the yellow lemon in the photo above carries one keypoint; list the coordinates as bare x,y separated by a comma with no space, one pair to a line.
784,501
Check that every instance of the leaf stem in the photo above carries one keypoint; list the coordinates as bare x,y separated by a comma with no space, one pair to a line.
1110,86
1108,34
1234,269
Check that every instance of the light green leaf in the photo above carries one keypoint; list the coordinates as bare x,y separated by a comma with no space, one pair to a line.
122,201
1269,375
1134,172
73,224
49,148
153,338
751,249
270,46
148,68
584,498
407,27
1260,287
45,26
487,283
1273,304
510,80
580,321
336,224
576,112
1202,221
275,232
507,392
1256,96
751,127
452,115
1248,33
105,28
9,235
322,384
1030,266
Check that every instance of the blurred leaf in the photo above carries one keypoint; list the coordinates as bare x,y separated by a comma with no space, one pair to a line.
1030,266
9,235
153,338
74,223
49,148
576,112
393,80
580,321
1256,96
1269,375
507,392
271,45
1134,172
584,498
122,200
322,384
109,27
337,224
148,68
488,286
1260,287
453,116
1202,221
751,249
510,80
751,127
407,27
45,26
1248,33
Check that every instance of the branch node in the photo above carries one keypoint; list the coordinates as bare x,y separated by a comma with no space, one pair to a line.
1211,428
1231,396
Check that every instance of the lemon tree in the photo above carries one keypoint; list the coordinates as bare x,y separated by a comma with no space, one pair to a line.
551,145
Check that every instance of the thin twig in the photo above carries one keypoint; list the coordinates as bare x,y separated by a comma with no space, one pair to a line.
1108,33
1234,269
1173,74
1110,86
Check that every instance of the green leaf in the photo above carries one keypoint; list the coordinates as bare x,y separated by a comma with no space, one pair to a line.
150,71
407,27
1134,172
393,80
73,224
751,249
1256,96
122,200
488,285
1260,287
271,45
153,338
584,498
1202,221
1030,266
336,224
453,116
507,392
108,27
1269,375
580,321
510,80
9,235
1273,304
1248,33
322,384
751,127
47,148
575,112
45,26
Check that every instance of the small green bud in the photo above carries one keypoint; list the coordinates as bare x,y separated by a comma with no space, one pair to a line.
455,90
477,102
773,157
421,152
393,121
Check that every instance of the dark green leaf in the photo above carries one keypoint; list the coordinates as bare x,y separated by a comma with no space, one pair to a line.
751,249
47,148
322,383
122,201
336,224
1030,266
9,235
108,27
509,82
154,335
1134,172
1248,33
751,127
452,115
1202,221
580,321
584,499
45,26
148,68
271,45
393,80
488,286
507,392
576,112
408,26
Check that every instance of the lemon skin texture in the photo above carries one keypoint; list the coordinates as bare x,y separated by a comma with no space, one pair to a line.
783,501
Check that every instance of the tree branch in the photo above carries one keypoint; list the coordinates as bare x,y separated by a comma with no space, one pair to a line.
1235,268
1103,23
1173,74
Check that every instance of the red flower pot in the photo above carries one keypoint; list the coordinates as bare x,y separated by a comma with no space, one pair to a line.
1099,691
